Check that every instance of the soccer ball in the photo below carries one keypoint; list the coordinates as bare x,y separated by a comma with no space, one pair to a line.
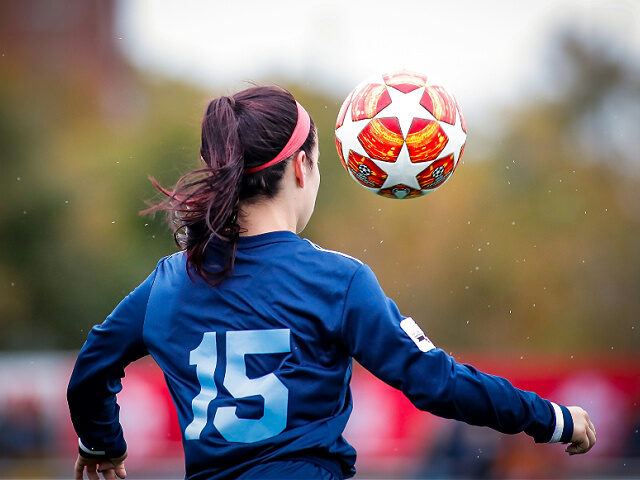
400,135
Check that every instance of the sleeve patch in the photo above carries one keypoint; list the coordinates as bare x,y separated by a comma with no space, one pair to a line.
416,334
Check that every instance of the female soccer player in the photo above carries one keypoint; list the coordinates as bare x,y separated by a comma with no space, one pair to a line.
255,328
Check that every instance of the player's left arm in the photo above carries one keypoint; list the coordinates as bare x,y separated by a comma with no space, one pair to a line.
96,379
396,350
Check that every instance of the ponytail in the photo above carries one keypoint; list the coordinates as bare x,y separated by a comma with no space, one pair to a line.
238,134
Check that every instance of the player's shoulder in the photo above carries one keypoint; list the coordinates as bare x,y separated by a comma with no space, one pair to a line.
173,258
174,262
332,257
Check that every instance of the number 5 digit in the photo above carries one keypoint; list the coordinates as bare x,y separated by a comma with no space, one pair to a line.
275,394
269,387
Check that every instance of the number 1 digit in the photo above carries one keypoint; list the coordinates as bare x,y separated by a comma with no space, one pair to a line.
205,358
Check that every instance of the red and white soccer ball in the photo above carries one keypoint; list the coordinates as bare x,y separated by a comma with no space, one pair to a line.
400,135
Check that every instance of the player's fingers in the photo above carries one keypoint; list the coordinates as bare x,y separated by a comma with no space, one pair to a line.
592,438
572,449
108,474
92,472
576,447
120,471
590,423
78,470
580,440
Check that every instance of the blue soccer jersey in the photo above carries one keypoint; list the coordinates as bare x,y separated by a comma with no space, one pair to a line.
259,366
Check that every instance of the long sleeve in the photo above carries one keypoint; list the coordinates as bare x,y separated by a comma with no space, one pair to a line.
396,350
96,377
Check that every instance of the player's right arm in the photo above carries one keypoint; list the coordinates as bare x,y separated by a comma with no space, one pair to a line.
394,349
96,379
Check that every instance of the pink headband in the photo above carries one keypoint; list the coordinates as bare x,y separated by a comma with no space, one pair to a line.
298,137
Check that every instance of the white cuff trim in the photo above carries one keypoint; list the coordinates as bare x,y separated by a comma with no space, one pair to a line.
89,451
557,433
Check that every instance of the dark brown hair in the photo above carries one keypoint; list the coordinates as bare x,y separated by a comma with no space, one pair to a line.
238,132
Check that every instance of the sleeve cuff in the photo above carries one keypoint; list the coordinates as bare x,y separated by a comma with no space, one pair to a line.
90,452
563,430
87,452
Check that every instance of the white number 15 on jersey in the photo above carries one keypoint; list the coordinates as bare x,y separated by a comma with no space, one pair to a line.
269,387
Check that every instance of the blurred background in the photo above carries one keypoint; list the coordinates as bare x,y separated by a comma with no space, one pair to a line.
526,264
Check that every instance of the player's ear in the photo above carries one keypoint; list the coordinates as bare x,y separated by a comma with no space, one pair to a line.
298,168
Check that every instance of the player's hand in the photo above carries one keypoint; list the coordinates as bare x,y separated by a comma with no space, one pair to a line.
584,433
110,470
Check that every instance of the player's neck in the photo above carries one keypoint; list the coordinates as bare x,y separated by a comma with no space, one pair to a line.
266,216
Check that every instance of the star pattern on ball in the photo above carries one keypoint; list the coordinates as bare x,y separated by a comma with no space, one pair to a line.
456,137
405,107
349,130
403,170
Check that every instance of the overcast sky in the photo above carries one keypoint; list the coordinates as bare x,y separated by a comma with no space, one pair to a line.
489,52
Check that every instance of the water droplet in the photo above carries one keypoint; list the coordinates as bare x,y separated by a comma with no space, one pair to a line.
467,322
153,236
509,312
19,179
534,305
479,249
477,268
488,243
381,241
466,287
13,284
508,182
24,212
468,222
513,223
66,202
611,347
146,224
113,222
571,357
364,250
521,357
